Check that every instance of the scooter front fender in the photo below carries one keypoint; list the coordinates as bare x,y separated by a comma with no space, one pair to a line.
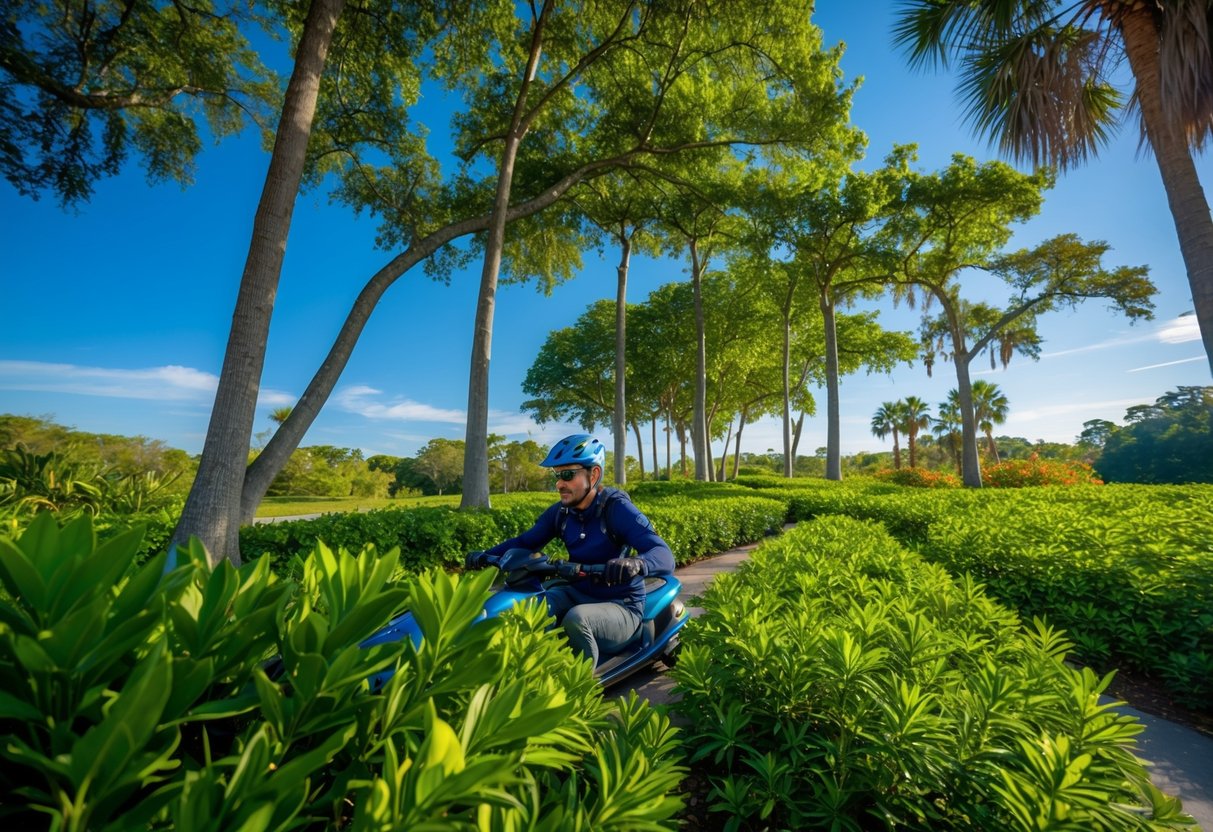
405,625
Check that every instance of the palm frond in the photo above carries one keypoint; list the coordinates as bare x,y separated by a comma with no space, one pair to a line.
1042,94
1186,63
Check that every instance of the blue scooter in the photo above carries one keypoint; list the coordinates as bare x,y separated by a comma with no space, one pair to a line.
528,575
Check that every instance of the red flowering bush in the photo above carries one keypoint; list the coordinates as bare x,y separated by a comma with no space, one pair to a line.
918,478
1017,473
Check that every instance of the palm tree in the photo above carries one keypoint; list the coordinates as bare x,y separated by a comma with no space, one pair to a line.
946,427
1038,78
990,409
886,420
280,414
915,416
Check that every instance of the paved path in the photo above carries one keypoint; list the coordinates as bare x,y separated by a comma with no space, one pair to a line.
1181,760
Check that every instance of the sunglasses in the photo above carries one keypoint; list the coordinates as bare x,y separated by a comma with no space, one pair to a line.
566,476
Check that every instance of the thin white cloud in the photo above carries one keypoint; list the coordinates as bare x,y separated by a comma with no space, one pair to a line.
1166,364
516,424
360,399
1179,330
1070,408
170,382
1174,331
363,400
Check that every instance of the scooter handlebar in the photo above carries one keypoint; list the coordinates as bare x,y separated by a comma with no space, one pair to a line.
540,566
571,569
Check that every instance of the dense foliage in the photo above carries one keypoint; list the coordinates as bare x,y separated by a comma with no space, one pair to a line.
838,681
1170,441
1125,569
135,697
119,481
1010,473
842,677
327,471
433,536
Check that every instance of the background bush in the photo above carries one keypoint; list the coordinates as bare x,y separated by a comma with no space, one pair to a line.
694,526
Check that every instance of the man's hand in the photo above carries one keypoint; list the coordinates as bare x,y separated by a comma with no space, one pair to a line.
623,570
475,560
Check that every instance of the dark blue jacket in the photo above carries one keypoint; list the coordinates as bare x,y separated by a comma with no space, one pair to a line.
583,535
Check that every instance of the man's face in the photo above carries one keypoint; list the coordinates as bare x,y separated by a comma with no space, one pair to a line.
573,490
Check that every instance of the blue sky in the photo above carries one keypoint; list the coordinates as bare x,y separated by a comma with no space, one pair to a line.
117,314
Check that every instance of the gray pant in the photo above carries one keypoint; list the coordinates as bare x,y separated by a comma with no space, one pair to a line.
590,624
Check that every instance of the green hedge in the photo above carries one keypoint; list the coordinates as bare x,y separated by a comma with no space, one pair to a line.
135,698
839,681
1126,569
694,527
699,528
427,537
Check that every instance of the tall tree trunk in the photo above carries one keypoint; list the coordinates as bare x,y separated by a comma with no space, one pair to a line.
797,429
785,369
212,509
737,446
961,358
618,420
1185,196
833,429
682,449
639,446
476,448
699,427
290,433
970,460
993,447
724,453
670,438
656,467
896,451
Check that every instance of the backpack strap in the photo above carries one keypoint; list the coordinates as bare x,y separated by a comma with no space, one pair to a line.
610,497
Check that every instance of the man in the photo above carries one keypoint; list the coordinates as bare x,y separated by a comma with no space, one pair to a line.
599,615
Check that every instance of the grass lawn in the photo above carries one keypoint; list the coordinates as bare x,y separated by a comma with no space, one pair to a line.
291,506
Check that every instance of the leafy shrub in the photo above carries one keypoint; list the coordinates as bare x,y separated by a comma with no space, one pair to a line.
426,536
135,698
430,536
650,489
697,528
839,681
1126,569
32,482
918,478
1018,473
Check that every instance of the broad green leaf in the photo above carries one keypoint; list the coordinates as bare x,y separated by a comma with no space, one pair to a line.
103,752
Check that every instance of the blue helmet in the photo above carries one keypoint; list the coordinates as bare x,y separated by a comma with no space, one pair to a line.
578,449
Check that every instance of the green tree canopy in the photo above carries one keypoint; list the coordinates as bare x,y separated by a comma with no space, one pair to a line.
441,460
953,225
1041,79
1170,441
82,84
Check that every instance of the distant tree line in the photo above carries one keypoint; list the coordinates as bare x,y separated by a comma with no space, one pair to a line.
1170,441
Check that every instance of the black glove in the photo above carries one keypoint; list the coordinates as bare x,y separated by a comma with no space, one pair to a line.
622,570
475,560
567,569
